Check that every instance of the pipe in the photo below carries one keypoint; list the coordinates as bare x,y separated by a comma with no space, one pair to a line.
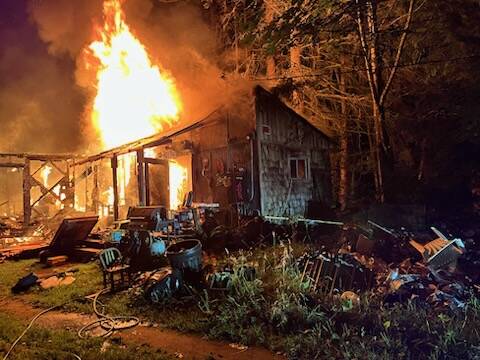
252,164
311,221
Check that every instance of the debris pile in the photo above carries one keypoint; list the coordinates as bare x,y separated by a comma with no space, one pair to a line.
327,272
394,265
19,242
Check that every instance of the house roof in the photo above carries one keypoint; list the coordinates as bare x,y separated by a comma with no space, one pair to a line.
152,141
263,91
164,137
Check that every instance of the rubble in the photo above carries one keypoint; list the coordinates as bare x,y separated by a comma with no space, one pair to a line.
327,272
17,242
395,266
440,252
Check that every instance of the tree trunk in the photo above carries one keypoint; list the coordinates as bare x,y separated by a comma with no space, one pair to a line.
270,59
295,72
344,150
368,33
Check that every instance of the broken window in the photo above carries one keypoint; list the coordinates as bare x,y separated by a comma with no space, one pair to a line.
299,168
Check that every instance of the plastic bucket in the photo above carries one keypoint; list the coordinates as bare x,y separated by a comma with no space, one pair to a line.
186,254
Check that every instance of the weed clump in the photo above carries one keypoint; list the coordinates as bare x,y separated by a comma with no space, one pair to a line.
278,310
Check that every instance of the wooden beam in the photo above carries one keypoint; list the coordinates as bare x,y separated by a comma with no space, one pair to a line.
12,165
141,178
95,191
154,161
114,162
49,157
27,209
45,191
147,185
60,170
39,157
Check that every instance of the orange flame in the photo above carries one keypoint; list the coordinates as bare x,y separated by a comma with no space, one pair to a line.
45,173
178,178
134,99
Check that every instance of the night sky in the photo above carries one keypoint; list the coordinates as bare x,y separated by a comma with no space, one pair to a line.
38,96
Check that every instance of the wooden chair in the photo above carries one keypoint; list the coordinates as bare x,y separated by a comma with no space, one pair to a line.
112,263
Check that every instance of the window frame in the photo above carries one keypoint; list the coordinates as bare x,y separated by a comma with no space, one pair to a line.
306,159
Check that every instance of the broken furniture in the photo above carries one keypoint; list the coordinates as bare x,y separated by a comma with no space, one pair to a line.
71,239
391,245
152,218
144,237
328,272
112,263
162,284
441,252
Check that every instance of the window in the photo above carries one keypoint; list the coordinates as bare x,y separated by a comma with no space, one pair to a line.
299,168
266,130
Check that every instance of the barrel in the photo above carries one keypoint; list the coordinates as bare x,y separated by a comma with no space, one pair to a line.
185,255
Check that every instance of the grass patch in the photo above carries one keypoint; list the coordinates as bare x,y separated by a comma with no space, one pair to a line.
88,280
10,272
181,316
44,344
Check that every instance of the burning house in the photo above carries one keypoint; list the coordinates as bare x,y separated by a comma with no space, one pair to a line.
274,162
271,161
252,155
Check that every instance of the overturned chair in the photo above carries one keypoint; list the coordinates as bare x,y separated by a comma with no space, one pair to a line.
112,263
441,252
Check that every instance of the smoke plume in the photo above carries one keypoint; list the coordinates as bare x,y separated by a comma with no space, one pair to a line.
39,101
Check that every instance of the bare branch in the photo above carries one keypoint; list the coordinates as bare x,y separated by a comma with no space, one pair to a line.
399,53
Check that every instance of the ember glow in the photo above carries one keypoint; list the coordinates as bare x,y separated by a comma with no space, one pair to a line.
134,99
45,173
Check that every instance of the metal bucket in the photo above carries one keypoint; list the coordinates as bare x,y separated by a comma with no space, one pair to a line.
185,255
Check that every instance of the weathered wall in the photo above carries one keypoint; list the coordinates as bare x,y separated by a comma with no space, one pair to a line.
282,135
220,150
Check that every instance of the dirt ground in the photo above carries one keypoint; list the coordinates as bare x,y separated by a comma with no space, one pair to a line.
184,346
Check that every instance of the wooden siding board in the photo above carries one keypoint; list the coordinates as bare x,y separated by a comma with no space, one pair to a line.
290,136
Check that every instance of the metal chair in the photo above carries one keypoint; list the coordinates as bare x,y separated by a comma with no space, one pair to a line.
112,263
